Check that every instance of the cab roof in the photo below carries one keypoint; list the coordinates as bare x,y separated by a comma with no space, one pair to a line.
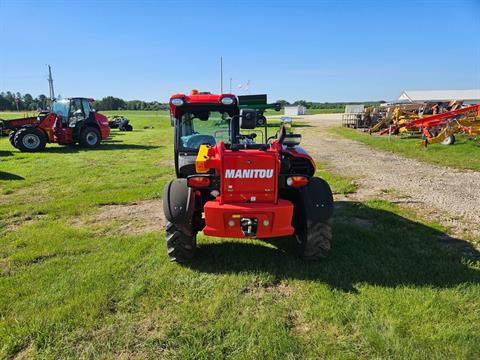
203,101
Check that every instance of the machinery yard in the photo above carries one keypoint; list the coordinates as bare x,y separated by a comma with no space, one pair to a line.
422,179
268,180
404,258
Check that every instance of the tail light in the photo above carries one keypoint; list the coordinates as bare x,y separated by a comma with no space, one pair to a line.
297,181
199,181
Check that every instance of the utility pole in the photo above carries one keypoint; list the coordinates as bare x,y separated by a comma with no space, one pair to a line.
221,74
50,84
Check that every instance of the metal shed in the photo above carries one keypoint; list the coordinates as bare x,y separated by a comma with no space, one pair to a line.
467,96
294,110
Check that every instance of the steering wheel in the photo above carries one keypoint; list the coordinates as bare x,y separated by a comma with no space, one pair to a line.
197,140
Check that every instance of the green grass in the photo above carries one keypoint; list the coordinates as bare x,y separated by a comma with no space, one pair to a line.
464,154
339,184
325,111
391,287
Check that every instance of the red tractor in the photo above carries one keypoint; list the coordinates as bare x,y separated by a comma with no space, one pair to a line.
69,121
235,181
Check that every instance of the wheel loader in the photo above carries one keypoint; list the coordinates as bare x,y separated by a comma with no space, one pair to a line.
69,121
236,181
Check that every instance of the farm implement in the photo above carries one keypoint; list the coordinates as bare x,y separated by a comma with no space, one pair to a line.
233,180
441,128
119,122
69,121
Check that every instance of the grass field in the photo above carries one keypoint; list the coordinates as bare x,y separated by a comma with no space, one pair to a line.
464,154
325,111
393,286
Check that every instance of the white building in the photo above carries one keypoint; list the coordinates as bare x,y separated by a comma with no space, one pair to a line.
467,96
354,109
294,110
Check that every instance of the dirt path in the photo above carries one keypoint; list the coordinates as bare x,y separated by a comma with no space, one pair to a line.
450,196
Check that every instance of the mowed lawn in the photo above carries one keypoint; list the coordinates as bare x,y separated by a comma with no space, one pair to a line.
464,154
74,287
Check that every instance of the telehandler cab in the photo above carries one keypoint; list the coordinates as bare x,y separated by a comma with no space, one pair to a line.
235,181
69,121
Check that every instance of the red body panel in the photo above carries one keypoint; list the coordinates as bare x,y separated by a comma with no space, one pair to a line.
249,176
55,130
299,152
197,99
16,123
279,217
248,184
102,122
249,188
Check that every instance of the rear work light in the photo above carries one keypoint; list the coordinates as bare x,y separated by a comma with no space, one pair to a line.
177,102
199,181
297,181
227,100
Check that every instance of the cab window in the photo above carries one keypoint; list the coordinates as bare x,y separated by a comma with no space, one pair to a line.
197,129
86,108
76,112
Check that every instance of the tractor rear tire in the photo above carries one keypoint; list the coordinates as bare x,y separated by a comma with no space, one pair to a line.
90,137
29,139
315,239
449,140
181,242
11,137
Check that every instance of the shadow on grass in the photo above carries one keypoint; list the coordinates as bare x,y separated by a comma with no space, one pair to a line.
294,125
9,176
370,245
5,153
108,145
301,125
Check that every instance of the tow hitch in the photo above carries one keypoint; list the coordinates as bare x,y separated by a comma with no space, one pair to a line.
249,226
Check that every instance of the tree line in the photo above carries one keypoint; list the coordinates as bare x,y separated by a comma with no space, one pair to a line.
10,101
113,103
328,105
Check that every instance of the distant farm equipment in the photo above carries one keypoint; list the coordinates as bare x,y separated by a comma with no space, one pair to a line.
69,121
119,122
434,122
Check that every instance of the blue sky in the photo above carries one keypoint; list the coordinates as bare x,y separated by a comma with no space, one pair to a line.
312,50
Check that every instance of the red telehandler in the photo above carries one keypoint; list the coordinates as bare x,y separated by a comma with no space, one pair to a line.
69,121
235,181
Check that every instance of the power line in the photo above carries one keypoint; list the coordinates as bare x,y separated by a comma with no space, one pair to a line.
221,74
50,84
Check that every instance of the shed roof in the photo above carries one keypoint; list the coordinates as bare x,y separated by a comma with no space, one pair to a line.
439,95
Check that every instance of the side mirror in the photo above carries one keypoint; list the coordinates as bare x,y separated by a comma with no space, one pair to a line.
248,119
287,122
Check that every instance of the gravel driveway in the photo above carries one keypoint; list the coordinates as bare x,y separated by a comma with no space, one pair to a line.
450,196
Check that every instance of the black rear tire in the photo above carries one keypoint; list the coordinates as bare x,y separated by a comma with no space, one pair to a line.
312,220
128,127
315,239
90,137
29,139
181,242
11,137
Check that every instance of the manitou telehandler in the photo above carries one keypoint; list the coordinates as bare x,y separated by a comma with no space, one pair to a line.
69,121
235,181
